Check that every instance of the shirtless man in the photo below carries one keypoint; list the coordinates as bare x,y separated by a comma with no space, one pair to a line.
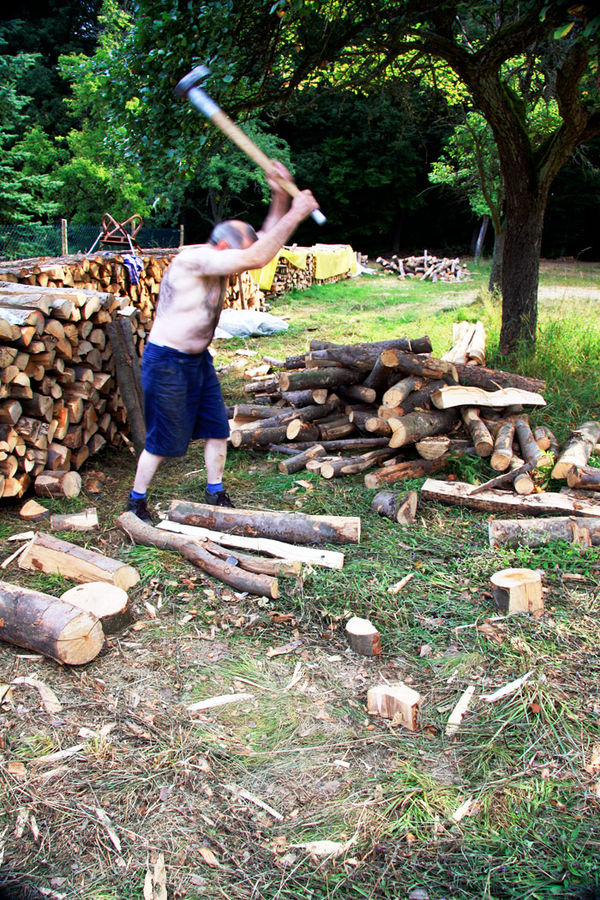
182,396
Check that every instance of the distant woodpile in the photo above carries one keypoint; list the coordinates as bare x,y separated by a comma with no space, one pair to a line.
426,267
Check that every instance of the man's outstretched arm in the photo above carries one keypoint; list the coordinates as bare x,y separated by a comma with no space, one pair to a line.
280,199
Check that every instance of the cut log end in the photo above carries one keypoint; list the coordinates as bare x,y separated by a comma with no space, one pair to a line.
363,637
518,591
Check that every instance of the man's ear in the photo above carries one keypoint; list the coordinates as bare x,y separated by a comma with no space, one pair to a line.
222,245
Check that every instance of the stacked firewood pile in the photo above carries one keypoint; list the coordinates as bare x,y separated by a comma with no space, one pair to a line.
343,409
426,267
288,277
107,272
59,400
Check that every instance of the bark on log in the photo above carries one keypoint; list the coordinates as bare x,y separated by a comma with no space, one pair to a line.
317,378
482,439
363,637
342,446
492,379
529,448
258,437
129,379
417,425
53,556
57,483
47,625
578,448
503,452
522,480
376,425
399,391
536,532
261,565
363,356
547,503
358,393
378,377
106,602
335,430
546,440
298,398
401,508
240,579
441,445
81,521
586,478
420,399
302,431
298,462
282,525
426,366
412,468
518,591
334,468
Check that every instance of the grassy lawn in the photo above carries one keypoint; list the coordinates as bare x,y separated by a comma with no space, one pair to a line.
175,783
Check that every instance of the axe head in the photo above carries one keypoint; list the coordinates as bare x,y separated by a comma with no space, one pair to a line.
191,80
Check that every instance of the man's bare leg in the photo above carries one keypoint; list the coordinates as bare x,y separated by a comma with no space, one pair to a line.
147,465
215,454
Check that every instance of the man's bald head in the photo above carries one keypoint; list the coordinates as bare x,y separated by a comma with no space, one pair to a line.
237,234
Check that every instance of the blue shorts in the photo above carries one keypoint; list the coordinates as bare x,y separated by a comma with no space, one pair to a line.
182,400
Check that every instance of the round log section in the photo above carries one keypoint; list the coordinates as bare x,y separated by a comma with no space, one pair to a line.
518,591
106,602
401,508
47,625
57,484
363,637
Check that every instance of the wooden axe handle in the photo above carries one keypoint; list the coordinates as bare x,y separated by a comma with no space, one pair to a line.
228,127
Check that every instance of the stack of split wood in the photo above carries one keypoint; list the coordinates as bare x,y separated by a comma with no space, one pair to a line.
211,538
426,267
342,409
59,399
289,277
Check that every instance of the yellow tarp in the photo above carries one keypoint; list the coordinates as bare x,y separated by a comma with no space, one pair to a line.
330,260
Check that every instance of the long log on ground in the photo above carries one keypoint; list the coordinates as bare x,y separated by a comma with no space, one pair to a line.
240,579
412,468
578,448
258,437
363,356
283,525
548,503
317,378
261,565
586,478
312,556
342,446
536,532
47,625
482,439
252,411
49,554
416,425
298,462
492,379
458,395
426,366
401,508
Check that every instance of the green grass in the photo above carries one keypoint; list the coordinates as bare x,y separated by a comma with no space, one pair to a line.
310,751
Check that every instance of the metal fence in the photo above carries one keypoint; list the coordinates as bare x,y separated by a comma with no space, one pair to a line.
25,241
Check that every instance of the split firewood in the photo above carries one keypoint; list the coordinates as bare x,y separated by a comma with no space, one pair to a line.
281,525
240,579
545,503
518,591
53,556
221,700
81,521
329,559
106,602
482,439
536,532
363,637
47,625
578,449
397,702
458,395
417,425
33,511
57,484
503,446
412,468
401,508
456,716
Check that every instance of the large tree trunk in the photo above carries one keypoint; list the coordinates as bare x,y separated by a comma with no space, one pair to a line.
520,262
495,282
